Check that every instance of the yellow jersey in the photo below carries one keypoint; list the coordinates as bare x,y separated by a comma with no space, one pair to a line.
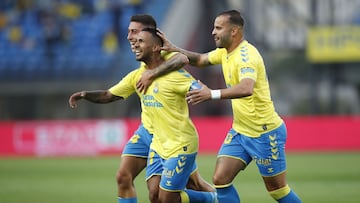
174,132
127,86
165,112
255,114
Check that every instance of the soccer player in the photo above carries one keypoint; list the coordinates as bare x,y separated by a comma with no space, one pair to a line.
258,133
135,153
174,146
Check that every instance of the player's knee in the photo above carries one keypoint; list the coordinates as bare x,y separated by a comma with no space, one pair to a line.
199,184
219,180
153,198
191,184
169,197
124,179
175,197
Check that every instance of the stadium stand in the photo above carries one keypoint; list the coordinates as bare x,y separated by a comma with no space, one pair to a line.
68,39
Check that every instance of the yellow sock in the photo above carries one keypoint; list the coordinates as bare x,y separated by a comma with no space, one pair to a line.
184,197
280,193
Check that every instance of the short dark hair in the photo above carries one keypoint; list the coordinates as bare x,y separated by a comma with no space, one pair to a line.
234,17
145,19
154,34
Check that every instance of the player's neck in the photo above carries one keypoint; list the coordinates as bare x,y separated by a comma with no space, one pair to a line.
154,61
234,45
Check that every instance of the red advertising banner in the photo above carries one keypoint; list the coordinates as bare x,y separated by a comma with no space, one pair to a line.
312,133
54,138
97,137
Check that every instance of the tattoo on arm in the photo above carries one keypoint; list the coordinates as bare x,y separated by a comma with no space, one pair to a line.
196,59
99,96
174,63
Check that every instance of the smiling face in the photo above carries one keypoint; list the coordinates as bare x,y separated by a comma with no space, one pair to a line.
222,31
145,46
133,30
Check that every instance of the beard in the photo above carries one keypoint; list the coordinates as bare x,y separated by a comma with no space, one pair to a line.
222,43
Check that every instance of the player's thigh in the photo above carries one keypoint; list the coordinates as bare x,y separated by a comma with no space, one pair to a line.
232,157
130,165
153,187
226,169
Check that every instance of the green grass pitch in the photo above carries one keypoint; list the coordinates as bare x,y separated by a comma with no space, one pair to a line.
316,177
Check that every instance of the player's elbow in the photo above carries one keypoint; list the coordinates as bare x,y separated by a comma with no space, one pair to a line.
202,60
242,92
184,59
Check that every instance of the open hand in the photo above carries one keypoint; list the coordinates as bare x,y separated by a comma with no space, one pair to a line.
198,95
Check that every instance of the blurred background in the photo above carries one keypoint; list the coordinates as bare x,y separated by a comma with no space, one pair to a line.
50,49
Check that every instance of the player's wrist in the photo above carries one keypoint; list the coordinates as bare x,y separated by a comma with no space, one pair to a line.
82,94
154,74
215,94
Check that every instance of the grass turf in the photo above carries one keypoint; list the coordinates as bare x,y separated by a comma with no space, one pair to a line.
316,177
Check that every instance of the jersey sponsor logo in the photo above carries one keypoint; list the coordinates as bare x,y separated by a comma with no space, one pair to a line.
149,101
247,70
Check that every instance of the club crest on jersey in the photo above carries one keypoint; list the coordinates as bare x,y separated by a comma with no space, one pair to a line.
156,88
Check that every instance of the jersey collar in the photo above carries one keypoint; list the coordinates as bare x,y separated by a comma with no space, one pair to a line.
242,43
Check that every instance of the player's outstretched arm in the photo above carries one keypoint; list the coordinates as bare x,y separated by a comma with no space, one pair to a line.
174,63
95,96
196,59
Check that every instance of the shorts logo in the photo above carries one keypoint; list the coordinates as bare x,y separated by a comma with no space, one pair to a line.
135,138
270,170
168,173
168,183
228,138
262,161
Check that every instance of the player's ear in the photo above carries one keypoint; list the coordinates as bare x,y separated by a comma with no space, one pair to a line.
235,30
157,48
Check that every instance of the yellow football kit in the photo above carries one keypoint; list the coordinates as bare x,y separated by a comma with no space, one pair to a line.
127,86
165,113
255,114
174,132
